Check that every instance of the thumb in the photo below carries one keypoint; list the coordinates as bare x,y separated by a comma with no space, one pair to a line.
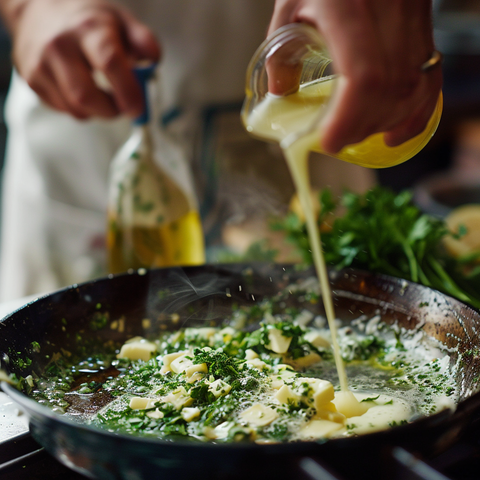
141,43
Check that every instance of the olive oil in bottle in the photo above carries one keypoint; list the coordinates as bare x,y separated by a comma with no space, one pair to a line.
153,220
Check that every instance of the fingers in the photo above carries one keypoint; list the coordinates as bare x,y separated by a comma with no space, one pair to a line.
104,51
414,124
377,50
284,69
58,45
76,85
140,40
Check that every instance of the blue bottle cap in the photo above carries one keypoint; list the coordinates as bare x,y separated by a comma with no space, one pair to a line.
143,74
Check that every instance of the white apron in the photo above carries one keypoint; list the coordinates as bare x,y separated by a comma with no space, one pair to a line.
55,177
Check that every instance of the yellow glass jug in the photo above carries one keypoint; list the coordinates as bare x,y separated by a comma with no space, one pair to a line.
290,81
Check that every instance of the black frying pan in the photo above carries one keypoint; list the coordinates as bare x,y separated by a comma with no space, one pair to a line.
208,293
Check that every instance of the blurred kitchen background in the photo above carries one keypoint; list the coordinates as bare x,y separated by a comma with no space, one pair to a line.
454,152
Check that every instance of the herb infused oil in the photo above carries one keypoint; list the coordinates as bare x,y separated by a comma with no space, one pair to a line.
152,220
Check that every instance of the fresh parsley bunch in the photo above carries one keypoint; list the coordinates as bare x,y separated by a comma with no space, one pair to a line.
385,232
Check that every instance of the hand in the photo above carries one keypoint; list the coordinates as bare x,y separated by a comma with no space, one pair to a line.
57,44
377,49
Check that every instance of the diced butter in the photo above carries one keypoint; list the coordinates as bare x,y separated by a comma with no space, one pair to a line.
155,414
318,429
168,359
259,415
140,349
283,372
204,333
180,364
250,354
226,334
256,363
190,413
277,341
303,318
306,361
219,388
142,403
323,394
316,339
179,398
329,412
276,381
347,404
195,377
220,431
196,368
287,395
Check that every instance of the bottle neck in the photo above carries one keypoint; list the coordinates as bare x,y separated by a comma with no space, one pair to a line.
144,74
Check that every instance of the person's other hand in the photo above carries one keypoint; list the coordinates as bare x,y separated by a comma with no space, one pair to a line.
58,44
377,48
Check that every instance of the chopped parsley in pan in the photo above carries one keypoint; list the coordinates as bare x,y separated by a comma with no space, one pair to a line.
274,383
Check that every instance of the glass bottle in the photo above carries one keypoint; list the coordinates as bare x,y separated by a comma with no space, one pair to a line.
153,220
290,81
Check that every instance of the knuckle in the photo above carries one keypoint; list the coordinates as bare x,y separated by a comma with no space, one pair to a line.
92,21
79,97
109,57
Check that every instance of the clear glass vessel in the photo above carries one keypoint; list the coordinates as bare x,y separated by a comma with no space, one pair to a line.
152,221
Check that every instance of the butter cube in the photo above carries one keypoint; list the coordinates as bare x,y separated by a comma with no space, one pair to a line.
347,404
142,403
180,364
306,361
155,414
287,395
318,429
316,339
323,394
257,363
283,372
168,359
140,349
219,388
259,415
196,368
226,334
250,354
179,398
190,413
277,342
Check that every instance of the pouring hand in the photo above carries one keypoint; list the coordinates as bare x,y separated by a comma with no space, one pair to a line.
378,49
57,44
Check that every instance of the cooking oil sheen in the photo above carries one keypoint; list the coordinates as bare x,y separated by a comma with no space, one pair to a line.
284,118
